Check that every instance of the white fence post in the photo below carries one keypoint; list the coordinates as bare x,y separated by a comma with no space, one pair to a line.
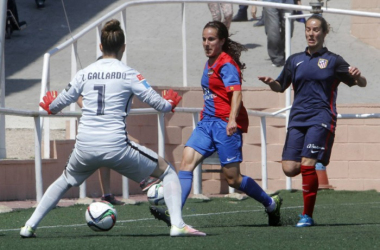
37,158
3,149
124,27
264,171
74,69
161,134
288,38
123,16
3,13
197,184
44,121
98,34
184,51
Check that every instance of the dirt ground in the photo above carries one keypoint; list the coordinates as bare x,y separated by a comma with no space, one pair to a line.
19,143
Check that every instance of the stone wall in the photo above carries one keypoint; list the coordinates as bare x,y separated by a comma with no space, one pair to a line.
365,28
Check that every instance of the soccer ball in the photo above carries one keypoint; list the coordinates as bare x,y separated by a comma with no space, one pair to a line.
155,194
101,216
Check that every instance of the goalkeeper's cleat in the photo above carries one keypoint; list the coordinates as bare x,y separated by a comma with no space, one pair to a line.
27,232
274,217
148,182
185,231
305,221
161,213
111,199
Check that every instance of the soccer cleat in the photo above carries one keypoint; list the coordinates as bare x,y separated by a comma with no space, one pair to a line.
185,231
305,221
274,217
148,182
27,232
161,213
111,199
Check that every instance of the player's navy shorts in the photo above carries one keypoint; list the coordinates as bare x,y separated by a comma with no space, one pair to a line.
210,135
313,142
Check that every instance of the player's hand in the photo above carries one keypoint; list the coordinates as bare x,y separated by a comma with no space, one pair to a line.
231,127
47,99
265,79
172,97
354,72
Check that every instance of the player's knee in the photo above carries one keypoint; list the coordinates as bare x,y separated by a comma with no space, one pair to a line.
186,166
291,170
233,182
62,182
70,180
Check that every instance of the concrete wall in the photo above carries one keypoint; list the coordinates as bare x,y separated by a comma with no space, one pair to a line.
366,29
354,162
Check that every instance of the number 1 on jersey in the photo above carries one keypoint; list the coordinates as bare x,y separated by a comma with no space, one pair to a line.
101,95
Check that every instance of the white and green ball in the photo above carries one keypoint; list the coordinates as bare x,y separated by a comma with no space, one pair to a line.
101,216
155,194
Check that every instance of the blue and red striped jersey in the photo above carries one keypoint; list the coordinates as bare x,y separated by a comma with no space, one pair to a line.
218,83
315,79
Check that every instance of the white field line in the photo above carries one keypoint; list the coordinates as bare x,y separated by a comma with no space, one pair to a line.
196,215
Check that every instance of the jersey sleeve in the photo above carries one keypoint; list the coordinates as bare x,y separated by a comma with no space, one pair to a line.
231,77
70,94
341,71
145,93
285,77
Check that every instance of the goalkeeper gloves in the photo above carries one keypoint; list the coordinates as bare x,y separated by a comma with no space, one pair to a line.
172,97
47,99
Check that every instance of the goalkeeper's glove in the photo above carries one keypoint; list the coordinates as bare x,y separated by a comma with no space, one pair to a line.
47,99
172,97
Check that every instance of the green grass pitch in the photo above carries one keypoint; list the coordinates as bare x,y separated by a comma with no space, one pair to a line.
344,220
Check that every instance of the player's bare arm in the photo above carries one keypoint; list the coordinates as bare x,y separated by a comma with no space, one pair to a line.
274,85
360,80
235,108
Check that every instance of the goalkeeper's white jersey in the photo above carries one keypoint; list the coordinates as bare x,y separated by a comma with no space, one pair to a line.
107,87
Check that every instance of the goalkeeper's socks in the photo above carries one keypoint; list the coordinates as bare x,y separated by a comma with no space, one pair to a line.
253,190
49,200
172,195
309,188
186,180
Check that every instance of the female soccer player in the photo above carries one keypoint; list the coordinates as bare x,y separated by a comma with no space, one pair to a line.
107,88
315,74
223,120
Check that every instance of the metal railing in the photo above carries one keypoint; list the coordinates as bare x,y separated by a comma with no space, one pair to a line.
197,185
97,25
161,142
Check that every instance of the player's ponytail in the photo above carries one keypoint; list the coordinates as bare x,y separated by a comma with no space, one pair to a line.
230,47
234,49
112,37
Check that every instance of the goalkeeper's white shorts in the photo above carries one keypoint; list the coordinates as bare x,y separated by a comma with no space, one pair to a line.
135,162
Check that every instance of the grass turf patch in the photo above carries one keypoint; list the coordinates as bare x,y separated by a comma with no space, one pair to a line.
344,220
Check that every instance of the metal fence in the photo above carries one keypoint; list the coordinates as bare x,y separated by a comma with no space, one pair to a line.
161,142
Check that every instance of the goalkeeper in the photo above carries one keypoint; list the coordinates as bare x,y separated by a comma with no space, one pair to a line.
107,88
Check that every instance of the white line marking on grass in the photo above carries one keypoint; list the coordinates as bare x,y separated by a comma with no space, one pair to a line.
197,215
